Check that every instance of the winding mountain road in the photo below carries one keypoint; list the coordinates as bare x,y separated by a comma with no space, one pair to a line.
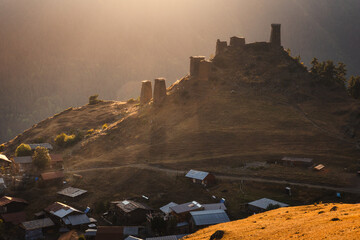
355,190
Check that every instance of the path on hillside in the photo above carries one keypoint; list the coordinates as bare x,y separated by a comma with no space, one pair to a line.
221,176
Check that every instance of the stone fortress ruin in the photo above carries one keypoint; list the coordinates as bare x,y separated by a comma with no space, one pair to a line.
200,68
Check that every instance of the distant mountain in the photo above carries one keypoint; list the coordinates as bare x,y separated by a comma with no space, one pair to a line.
55,54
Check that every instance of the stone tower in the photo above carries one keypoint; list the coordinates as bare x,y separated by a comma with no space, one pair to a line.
159,90
237,42
204,70
220,46
194,65
275,38
146,92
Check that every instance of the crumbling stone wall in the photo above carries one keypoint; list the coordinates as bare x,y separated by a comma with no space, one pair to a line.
159,91
220,47
146,92
275,38
194,65
237,42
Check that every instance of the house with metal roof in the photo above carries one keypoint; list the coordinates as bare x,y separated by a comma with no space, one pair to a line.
72,192
264,204
182,211
166,209
33,146
201,219
130,212
25,163
14,218
66,215
11,204
214,206
56,161
34,229
204,178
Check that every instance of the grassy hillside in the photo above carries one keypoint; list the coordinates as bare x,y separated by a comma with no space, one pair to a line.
322,221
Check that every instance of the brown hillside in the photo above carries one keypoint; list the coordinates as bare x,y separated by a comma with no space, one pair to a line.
259,104
329,221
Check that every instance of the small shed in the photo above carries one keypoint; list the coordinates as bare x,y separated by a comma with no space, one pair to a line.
297,162
109,232
72,192
65,214
33,146
201,219
181,212
204,178
56,161
11,204
25,163
264,204
34,229
14,218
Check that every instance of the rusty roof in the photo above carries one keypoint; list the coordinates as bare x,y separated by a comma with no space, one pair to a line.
56,158
52,175
6,200
60,209
129,206
14,218
187,207
109,232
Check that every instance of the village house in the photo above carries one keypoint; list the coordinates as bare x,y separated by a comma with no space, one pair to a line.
24,164
33,146
11,205
182,211
130,212
14,218
214,206
201,219
264,204
72,192
63,214
33,230
56,161
166,210
204,178
52,177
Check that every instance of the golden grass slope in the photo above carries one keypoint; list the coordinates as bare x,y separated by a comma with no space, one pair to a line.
323,221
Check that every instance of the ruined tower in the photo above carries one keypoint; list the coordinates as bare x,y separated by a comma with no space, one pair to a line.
275,38
159,90
194,65
237,42
146,92
220,46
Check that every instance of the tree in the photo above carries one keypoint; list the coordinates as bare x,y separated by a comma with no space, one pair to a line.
328,71
41,157
23,150
354,86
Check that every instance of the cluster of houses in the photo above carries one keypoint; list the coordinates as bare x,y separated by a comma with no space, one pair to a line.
127,219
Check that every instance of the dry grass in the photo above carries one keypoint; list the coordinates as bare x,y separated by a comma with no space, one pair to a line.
305,222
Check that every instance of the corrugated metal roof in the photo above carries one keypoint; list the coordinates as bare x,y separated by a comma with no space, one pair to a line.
52,175
60,209
72,192
214,206
199,175
36,224
265,202
209,217
6,200
4,158
172,237
129,206
293,159
33,146
23,160
166,209
186,207
76,219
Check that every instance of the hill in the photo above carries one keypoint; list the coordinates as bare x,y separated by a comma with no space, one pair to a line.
323,221
258,104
